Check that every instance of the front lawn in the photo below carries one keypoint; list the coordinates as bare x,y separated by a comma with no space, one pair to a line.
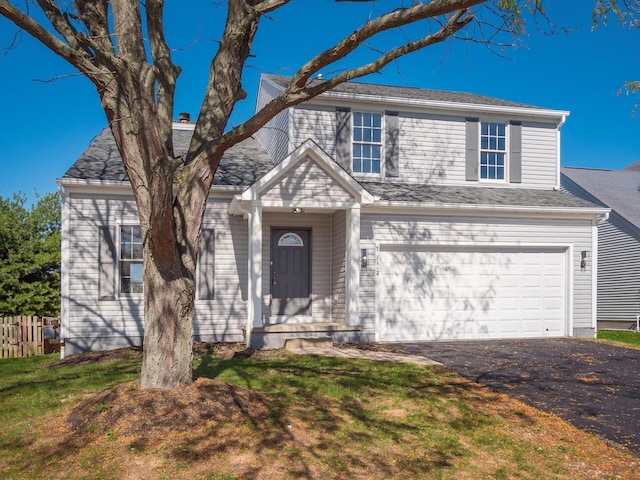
622,337
281,416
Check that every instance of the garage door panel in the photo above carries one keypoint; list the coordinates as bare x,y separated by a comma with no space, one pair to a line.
471,293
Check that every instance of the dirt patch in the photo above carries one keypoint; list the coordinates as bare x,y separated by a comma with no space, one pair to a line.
130,410
133,411
221,350
98,357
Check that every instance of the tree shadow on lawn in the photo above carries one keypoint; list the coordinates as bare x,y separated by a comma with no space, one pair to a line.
258,413
350,414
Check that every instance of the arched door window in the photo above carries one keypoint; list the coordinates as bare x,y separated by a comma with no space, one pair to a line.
290,239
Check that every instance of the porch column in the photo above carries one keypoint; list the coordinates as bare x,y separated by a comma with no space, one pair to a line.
255,271
353,266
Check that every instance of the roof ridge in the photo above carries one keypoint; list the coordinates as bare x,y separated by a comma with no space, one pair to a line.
464,96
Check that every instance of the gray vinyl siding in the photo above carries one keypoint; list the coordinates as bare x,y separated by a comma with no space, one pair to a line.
307,182
92,324
618,265
432,148
274,135
338,266
539,155
321,235
223,317
316,123
618,271
378,229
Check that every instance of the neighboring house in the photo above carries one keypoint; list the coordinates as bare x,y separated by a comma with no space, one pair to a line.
618,268
371,213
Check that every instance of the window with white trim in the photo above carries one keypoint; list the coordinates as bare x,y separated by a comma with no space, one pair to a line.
367,142
131,259
493,150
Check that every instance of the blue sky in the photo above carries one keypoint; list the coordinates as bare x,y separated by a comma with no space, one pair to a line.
45,125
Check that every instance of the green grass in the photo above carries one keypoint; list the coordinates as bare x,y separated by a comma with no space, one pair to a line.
370,419
29,386
626,337
33,386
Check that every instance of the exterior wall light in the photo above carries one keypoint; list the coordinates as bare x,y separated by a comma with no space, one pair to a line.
297,210
583,259
363,259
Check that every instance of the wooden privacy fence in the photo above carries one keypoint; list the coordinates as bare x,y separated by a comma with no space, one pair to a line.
27,336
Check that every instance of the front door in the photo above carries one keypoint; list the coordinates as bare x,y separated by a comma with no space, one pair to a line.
290,272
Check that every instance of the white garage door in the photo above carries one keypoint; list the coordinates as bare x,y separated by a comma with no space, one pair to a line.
471,293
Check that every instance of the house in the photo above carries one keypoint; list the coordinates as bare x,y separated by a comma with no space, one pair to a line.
371,213
618,268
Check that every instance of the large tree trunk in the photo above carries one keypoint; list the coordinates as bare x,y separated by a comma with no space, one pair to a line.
121,47
168,325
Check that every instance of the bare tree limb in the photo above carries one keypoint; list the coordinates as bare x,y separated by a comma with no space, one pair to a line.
269,5
15,41
298,92
166,72
395,19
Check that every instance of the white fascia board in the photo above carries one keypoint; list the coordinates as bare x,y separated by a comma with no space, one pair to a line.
443,106
306,204
77,185
188,126
483,210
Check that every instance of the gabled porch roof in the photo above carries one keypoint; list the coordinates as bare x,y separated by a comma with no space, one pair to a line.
307,178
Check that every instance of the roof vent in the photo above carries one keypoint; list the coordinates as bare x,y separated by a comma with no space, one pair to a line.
184,117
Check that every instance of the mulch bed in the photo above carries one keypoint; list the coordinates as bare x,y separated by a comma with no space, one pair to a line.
150,412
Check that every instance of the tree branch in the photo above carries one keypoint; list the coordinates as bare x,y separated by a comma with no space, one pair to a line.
389,21
295,94
61,23
267,6
80,59
94,16
165,71
224,88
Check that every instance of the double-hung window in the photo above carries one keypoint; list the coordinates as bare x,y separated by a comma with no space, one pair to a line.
367,142
130,259
493,150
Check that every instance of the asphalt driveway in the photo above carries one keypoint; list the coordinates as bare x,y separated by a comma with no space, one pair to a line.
594,386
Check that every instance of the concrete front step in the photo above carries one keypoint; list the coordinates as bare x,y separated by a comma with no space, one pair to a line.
304,343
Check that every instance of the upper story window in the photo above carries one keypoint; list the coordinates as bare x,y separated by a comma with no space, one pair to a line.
367,142
130,259
493,150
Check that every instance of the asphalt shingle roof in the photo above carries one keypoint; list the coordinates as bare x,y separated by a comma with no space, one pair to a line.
358,88
241,165
246,162
616,189
473,195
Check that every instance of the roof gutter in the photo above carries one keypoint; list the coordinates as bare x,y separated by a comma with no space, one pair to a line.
465,209
442,105
78,185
